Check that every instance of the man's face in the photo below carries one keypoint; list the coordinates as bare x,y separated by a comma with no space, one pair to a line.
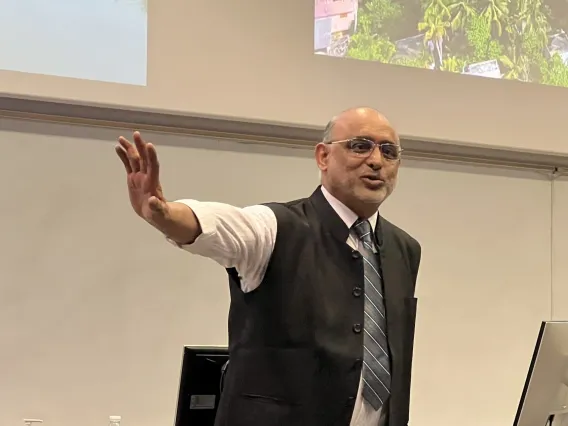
359,181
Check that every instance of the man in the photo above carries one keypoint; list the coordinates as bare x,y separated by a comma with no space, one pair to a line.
321,324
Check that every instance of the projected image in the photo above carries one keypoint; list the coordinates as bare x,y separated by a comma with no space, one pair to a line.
524,40
103,40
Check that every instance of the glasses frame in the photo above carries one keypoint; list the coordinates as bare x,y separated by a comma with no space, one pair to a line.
376,143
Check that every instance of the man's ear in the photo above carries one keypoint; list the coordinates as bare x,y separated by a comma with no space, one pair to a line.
322,155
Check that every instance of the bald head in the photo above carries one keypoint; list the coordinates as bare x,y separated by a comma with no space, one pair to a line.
348,121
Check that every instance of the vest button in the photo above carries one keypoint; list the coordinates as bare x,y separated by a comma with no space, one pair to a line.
357,291
357,328
355,254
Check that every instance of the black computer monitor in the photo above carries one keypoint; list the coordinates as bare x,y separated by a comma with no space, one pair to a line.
544,400
201,381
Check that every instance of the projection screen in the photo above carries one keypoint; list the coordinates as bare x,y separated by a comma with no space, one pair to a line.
254,61
76,39
523,40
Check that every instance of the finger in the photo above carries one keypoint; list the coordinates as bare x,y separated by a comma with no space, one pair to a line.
123,157
153,164
124,143
131,152
141,148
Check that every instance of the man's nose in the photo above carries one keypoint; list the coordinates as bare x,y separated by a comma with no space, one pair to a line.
376,159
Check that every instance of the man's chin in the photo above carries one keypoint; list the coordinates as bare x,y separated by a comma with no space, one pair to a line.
373,195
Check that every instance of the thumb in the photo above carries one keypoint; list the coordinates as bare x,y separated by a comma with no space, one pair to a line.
157,205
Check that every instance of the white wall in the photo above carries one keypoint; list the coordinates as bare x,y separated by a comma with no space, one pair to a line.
95,306
483,289
560,249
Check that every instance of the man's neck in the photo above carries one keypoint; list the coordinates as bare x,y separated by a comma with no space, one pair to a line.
346,214
365,211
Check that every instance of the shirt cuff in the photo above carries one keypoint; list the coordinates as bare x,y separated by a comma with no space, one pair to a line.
207,222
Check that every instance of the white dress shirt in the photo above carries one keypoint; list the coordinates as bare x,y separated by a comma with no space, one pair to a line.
244,238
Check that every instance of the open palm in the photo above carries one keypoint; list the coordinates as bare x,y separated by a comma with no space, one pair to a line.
143,178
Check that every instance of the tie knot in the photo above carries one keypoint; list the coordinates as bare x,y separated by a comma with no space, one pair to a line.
363,230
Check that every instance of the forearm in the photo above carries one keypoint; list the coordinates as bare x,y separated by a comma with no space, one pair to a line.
181,225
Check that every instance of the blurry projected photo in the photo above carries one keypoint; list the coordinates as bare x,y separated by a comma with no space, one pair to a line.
103,40
525,40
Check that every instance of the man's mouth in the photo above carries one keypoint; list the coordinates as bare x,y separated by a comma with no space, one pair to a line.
372,180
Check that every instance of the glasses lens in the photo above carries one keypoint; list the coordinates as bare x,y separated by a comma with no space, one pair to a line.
390,151
361,146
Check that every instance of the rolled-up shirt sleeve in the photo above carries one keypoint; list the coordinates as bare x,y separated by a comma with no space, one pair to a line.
234,237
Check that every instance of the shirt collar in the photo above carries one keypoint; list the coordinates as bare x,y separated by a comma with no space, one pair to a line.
345,213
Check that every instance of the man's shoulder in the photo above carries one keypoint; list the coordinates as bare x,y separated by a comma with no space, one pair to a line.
294,217
294,208
287,204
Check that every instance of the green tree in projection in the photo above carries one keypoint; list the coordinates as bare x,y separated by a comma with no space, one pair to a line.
555,72
371,41
517,34
424,60
531,17
483,46
453,64
461,13
496,13
527,30
435,25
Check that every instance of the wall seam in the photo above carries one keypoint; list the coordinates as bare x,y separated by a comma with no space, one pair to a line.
553,176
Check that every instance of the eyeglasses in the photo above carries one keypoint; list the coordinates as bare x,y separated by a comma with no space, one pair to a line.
363,147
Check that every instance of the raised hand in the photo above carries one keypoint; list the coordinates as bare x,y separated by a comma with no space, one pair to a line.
143,178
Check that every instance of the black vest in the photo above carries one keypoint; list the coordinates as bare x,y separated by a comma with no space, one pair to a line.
296,342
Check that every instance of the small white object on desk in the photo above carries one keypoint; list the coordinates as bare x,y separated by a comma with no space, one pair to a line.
115,420
30,422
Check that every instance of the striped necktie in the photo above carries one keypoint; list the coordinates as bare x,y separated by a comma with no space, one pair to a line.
376,364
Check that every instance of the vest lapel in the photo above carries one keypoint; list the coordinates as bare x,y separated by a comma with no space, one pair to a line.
329,219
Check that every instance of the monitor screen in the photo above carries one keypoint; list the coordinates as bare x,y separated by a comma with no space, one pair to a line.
544,400
200,385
